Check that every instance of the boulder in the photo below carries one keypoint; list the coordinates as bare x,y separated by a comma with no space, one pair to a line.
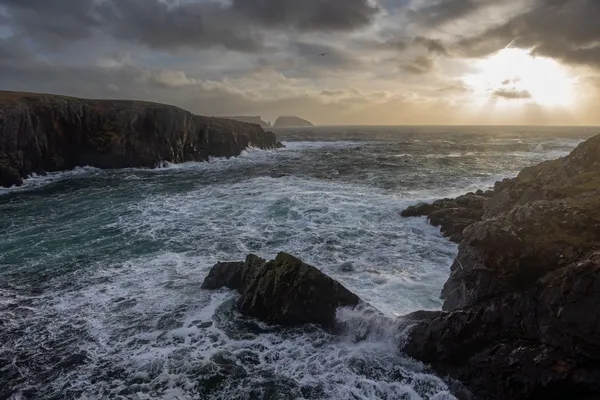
285,291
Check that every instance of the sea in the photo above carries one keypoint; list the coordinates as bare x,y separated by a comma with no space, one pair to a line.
100,270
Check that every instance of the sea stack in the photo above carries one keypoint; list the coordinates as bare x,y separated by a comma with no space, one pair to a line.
45,133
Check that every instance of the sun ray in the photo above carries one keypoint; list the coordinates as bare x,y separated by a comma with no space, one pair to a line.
514,75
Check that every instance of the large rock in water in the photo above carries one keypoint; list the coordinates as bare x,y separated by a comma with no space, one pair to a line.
52,133
284,291
522,318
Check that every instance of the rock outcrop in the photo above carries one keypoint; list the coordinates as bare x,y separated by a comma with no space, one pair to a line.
45,133
291,122
521,313
284,291
452,215
251,120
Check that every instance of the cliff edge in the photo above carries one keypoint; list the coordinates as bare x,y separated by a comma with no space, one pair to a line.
45,133
521,317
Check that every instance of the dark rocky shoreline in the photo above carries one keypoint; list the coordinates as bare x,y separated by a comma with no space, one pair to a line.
46,133
520,318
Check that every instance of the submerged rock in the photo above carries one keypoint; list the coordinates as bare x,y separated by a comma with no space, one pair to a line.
53,133
285,291
521,316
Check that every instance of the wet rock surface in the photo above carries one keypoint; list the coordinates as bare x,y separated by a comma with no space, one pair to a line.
285,291
521,317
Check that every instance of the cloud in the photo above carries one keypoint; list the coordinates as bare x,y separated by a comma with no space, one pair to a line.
51,22
172,25
434,46
511,81
567,30
420,65
512,94
438,12
309,15
456,87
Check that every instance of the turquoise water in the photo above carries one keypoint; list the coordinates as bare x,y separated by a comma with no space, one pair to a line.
100,271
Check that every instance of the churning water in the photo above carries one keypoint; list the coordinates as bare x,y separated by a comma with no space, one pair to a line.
100,271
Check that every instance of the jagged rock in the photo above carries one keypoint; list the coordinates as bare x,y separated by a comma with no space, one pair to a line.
9,176
521,316
284,291
419,210
544,342
52,133
452,215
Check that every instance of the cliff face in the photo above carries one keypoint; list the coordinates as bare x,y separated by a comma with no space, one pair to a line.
522,317
291,122
45,133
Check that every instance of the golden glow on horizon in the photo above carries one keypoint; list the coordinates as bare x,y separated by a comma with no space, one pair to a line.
517,76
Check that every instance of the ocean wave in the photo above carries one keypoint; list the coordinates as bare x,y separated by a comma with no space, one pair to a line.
36,181
101,290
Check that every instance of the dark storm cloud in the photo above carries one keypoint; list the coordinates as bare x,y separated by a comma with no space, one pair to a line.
420,65
441,11
51,22
309,15
563,29
512,94
433,45
196,24
160,25
321,55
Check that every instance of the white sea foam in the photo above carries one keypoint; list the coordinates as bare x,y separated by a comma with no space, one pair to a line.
146,329
35,181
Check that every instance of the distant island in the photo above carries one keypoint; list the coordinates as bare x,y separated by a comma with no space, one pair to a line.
251,120
291,122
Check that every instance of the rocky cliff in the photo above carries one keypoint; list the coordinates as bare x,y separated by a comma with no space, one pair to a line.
45,133
521,317
291,122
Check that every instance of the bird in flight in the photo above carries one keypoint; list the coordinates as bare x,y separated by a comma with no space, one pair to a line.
322,54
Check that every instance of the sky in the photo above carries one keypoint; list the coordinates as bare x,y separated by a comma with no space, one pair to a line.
385,62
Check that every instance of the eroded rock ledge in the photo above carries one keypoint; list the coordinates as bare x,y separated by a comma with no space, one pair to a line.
521,308
45,133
